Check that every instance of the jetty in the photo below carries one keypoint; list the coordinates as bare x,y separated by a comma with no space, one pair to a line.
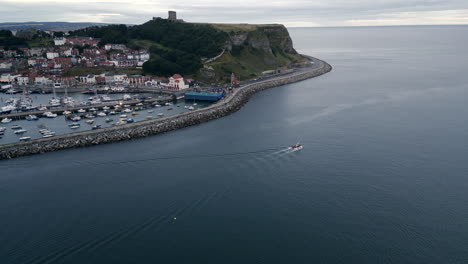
231,103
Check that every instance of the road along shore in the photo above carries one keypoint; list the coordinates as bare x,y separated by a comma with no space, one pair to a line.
231,103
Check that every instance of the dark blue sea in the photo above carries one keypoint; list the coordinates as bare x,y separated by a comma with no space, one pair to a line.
382,178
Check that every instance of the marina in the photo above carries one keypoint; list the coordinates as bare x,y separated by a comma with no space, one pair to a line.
54,121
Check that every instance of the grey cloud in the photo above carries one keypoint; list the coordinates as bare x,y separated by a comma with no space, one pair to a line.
327,13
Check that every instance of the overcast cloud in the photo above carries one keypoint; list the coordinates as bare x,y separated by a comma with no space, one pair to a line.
289,12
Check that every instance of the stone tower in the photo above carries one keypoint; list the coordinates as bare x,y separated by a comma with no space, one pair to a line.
172,16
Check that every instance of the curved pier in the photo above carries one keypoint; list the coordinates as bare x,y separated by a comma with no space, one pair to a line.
228,105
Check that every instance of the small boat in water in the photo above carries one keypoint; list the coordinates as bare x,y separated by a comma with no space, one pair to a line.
81,111
6,120
32,118
135,113
191,108
2,129
295,147
75,127
91,121
160,114
96,127
50,115
123,116
24,138
129,120
150,111
21,131
108,120
74,124
66,112
101,114
76,118
15,127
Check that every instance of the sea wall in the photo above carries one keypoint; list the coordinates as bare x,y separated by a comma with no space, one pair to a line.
226,106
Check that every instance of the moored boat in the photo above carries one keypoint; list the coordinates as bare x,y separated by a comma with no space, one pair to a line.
32,118
21,131
6,120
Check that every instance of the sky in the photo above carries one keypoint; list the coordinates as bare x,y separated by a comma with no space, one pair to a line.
292,13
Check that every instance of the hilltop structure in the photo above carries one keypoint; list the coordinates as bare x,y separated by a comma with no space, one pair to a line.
172,16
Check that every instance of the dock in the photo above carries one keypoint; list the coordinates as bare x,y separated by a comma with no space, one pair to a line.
73,109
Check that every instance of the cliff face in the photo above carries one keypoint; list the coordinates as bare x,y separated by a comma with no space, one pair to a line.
250,50
265,38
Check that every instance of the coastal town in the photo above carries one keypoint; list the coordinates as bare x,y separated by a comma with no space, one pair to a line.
101,82
48,66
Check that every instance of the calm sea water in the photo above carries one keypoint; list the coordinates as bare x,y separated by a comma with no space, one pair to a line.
383,177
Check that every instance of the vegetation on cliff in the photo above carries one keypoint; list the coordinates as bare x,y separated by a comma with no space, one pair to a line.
175,47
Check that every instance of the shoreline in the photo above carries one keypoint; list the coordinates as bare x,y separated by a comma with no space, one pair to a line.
230,104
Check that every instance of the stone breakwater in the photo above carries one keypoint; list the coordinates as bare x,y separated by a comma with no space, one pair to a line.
226,106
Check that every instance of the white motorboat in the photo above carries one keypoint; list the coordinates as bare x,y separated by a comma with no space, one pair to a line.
21,131
6,120
90,121
54,102
106,98
81,111
32,118
50,115
295,147
191,108
101,114
66,112
160,114
24,138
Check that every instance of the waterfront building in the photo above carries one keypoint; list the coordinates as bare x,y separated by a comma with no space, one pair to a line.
176,82
22,80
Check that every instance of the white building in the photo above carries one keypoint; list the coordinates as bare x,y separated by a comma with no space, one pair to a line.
41,80
52,55
6,65
115,46
8,78
177,82
59,41
31,61
120,78
22,80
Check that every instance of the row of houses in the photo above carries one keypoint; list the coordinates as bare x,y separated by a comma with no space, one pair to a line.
175,82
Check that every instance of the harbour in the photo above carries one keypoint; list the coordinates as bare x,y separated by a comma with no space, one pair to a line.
187,117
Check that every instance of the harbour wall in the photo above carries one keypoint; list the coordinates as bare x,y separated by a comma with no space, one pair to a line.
226,106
